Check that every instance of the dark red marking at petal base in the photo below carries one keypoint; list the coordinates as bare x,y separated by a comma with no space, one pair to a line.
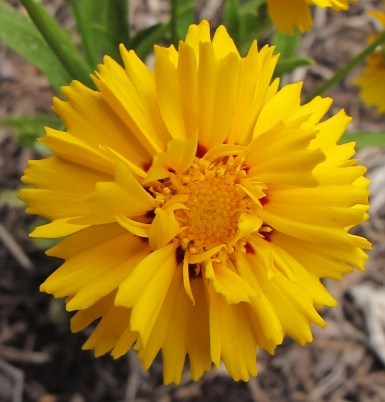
150,214
249,249
143,239
201,150
267,235
171,170
146,166
192,271
179,255
264,200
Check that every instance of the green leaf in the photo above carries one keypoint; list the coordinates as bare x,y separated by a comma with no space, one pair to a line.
232,20
246,21
28,128
19,33
10,198
290,64
83,18
143,35
364,140
186,16
59,42
287,45
103,26
146,45
143,42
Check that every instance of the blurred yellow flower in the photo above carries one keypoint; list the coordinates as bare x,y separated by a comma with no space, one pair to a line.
290,14
372,79
203,206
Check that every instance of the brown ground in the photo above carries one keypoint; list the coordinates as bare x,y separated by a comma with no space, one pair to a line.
41,359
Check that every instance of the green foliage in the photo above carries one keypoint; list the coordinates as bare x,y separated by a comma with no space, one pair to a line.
28,128
186,16
246,21
59,42
21,35
364,140
143,42
287,46
103,26
9,197
288,65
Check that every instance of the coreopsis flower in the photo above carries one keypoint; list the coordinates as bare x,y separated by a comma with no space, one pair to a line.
288,14
372,79
202,206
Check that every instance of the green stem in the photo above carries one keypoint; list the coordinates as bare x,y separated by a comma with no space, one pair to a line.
74,65
345,70
127,22
174,23
85,33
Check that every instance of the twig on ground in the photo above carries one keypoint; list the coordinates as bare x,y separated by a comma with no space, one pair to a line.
23,356
18,377
15,249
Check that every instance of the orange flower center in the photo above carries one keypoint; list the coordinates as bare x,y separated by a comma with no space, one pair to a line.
214,201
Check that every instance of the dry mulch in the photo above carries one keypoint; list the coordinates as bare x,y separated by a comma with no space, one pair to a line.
41,360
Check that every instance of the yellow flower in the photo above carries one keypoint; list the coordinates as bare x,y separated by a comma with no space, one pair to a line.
202,203
372,79
290,14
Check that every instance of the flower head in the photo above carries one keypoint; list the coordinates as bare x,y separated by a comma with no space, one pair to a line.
203,206
372,79
290,14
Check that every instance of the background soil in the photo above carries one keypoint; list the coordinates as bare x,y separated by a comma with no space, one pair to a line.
41,360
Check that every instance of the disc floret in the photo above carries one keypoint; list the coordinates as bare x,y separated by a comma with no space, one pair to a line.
214,200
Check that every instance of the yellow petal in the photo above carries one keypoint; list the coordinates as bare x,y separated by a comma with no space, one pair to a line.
57,228
71,179
160,330
216,102
84,239
256,71
198,34
84,318
178,157
223,44
229,284
266,324
186,277
109,330
325,261
88,117
146,288
137,228
131,94
163,228
188,332
110,279
169,94
50,204
289,14
123,197
229,322
90,264
198,258
77,151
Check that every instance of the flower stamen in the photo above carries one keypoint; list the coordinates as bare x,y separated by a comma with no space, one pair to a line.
214,203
